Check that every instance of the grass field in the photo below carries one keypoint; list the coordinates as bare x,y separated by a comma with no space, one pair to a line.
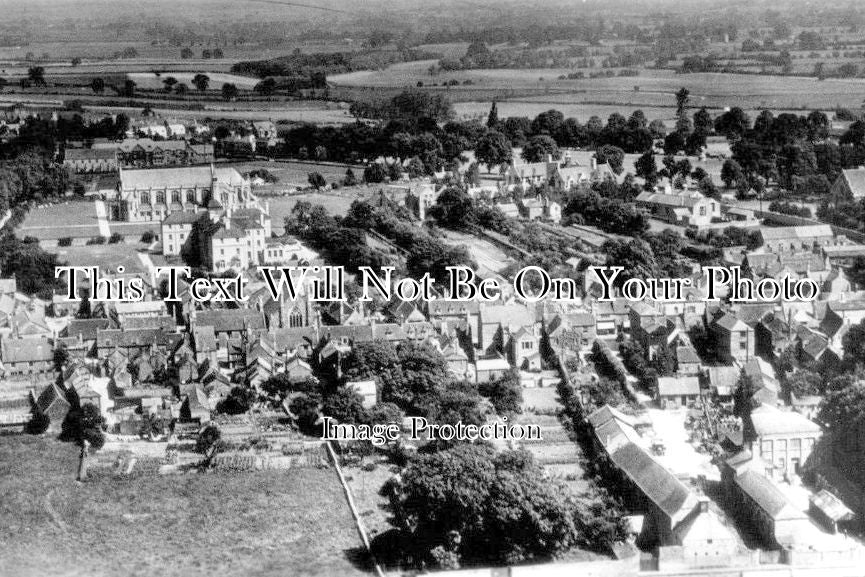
297,173
106,256
150,81
336,203
66,219
293,522
527,92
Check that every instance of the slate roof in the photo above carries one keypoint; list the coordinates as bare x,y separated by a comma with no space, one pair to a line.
224,320
87,328
768,420
176,177
767,496
26,350
677,386
657,483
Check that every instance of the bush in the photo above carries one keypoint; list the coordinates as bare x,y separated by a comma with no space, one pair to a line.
96,240
115,238
65,241
148,237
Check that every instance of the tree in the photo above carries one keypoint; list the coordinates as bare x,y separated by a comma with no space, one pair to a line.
186,53
229,91
611,155
208,441
201,82
129,88
731,173
494,149
97,85
454,209
305,408
218,53
3,83
83,426
181,88
472,506
683,95
36,75
505,393
647,168
169,82
803,383
345,406
316,180
674,143
350,179
239,400
853,344
493,117
635,256
266,87
539,148
843,409
374,173
733,123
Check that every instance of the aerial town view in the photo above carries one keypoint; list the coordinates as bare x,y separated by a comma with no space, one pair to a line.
493,288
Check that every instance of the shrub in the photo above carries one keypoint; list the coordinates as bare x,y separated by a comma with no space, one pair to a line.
65,241
96,240
116,237
148,237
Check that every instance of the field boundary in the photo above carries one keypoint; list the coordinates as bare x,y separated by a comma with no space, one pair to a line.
361,529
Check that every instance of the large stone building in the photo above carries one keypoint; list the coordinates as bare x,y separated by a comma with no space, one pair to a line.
151,195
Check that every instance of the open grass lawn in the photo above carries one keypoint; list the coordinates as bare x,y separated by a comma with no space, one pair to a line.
293,522
297,173
336,203
106,256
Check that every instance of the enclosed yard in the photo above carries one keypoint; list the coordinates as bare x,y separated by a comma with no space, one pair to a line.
106,256
293,522
72,219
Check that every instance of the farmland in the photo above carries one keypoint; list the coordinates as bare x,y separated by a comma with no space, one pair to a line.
527,92
293,522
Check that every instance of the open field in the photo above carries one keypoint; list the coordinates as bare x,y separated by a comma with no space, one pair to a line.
150,81
106,256
489,258
294,173
67,219
653,91
292,522
336,203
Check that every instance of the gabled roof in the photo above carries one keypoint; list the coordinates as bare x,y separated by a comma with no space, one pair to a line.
28,350
731,323
86,328
767,496
658,484
768,420
855,179
676,386
184,176
223,320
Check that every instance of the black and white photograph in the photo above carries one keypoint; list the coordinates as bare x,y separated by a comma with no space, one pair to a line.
466,288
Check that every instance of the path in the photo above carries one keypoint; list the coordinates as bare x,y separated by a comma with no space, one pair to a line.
102,217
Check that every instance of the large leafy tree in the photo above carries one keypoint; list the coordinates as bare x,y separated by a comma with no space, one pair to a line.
473,506
494,148
539,147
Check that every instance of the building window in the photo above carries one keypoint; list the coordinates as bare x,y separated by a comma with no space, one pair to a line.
175,196
145,197
527,345
702,211
160,197
190,196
